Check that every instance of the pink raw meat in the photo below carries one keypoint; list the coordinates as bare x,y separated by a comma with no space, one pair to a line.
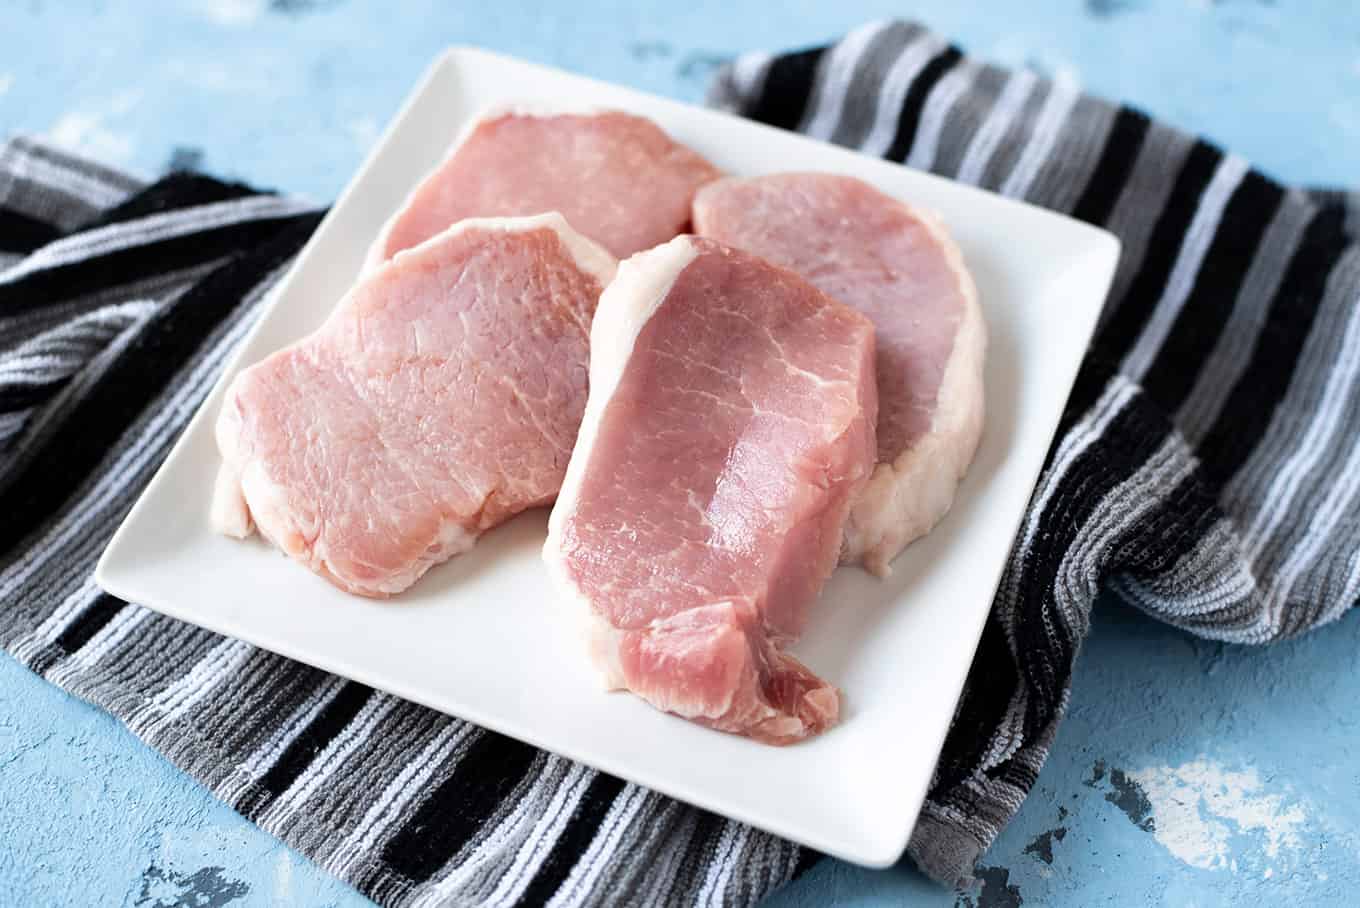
440,398
900,268
615,177
730,421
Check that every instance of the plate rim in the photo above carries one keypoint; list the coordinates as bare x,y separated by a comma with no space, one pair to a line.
1100,250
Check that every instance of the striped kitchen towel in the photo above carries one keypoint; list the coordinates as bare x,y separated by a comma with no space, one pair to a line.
1207,469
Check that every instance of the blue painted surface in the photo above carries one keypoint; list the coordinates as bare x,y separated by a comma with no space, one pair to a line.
90,816
1187,773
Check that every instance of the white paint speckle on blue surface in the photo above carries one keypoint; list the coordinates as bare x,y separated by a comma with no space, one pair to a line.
283,877
1179,758
1199,807
99,131
364,131
232,12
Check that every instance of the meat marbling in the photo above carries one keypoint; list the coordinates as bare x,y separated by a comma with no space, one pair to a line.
900,268
441,397
617,178
730,421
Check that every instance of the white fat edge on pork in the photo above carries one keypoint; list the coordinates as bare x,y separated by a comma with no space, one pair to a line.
228,512
903,500
586,254
641,285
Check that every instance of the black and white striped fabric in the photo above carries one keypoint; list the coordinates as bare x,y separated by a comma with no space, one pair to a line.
118,304
1208,466
1207,469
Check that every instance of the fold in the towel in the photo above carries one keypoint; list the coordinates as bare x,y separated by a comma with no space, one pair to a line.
1207,469
118,304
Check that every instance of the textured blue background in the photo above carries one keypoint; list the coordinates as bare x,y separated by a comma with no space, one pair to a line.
1187,772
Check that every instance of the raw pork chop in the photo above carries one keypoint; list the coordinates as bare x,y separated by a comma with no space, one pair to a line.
730,421
900,268
616,178
440,398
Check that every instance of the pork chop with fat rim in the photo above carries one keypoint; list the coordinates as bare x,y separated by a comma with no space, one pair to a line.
441,397
899,267
617,178
729,425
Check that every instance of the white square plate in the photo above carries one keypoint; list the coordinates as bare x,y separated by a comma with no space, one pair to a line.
483,637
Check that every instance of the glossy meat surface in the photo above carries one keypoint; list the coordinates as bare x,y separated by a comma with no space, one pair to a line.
441,397
901,269
731,420
617,178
